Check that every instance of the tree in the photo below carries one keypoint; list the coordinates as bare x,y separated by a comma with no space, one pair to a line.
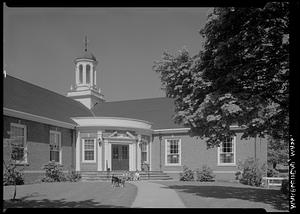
278,153
239,78
12,174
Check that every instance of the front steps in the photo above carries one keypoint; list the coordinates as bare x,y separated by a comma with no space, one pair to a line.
105,176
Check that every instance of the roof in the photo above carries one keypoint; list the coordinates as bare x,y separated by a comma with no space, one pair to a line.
26,97
158,111
87,55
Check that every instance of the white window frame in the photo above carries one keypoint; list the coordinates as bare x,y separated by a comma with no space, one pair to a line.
179,151
234,154
147,150
25,161
83,151
59,144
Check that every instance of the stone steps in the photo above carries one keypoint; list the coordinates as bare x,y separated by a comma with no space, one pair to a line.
104,176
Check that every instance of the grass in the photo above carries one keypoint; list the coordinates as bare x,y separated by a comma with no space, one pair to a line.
70,195
227,195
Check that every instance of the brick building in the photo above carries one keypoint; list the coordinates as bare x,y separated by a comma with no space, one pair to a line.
84,132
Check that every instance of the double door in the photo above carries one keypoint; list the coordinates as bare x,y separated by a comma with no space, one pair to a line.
120,157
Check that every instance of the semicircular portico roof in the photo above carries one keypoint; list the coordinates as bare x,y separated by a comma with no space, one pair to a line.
159,111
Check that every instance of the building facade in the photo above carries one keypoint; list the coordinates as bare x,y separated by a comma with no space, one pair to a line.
89,134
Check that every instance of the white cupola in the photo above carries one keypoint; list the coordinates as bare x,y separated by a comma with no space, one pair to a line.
85,89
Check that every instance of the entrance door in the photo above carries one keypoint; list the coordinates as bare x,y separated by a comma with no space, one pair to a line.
120,157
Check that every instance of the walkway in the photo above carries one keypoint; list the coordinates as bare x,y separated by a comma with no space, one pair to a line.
153,195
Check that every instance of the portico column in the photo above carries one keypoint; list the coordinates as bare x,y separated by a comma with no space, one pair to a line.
150,147
107,154
138,155
132,156
77,161
131,163
100,145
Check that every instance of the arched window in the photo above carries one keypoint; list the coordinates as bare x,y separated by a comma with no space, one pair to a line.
80,74
88,76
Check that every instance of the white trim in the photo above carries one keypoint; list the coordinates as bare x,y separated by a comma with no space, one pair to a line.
150,152
119,122
220,171
172,171
234,155
25,161
77,147
60,147
182,130
83,150
107,155
175,130
36,118
139,153
40,171
166,151
214,171
99,145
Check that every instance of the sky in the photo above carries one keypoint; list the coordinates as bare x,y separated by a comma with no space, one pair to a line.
40,45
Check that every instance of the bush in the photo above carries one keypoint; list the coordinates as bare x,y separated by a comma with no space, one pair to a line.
73,176
238,175
12,174
285,187
187,174
252,172
205,174
272,172
54,173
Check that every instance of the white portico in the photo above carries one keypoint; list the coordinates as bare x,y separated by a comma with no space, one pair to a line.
112,143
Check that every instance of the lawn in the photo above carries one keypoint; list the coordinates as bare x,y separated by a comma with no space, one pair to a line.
227,195
70,195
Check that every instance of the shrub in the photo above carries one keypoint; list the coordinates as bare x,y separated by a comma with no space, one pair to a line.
187,174
238,175
12,174
205,174
54,173
73,176
272,172
285,187
252,172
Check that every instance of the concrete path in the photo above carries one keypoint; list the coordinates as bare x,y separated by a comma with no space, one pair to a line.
153,195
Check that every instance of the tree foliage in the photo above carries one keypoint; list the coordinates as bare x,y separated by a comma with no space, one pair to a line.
278,152
239,78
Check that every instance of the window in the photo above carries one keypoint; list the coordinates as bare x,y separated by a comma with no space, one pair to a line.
144,152
55,146
88,77
89,150
80,74
18,143
173,152
226,153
